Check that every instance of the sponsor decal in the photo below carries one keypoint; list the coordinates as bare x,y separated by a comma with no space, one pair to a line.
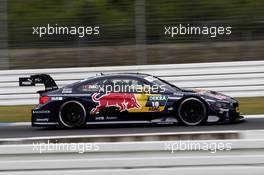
28,82
90,87
122,101
154,108
111,118
178,94
42,120
56,98
156,103
41,112
158,98
38,80
67,90
99,118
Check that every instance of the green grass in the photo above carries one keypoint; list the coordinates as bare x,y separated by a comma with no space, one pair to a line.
15,113
249,105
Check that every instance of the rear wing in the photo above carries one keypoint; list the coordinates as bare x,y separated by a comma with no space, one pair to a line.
45,79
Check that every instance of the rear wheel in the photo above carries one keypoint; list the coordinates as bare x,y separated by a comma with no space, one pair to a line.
72,114
192,111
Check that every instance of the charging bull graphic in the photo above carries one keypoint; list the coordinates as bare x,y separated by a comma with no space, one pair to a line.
123,101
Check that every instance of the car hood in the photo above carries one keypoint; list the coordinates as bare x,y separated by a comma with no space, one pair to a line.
210,94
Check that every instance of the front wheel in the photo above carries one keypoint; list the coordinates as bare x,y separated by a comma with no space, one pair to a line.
72,114
192,111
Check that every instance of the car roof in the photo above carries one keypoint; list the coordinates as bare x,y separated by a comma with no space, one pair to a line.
128,74
110,75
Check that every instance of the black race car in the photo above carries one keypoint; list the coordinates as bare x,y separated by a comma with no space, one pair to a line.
127,98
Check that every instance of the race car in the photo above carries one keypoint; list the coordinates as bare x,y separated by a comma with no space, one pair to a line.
127,98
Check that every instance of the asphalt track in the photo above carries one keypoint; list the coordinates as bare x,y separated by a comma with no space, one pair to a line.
23,131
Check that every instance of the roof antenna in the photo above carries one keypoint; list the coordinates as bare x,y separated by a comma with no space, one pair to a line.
102,73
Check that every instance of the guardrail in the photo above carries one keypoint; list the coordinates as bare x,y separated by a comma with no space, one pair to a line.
65,156
130,155
238,79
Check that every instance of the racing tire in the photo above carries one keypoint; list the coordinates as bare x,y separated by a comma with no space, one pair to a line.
72,114
192,112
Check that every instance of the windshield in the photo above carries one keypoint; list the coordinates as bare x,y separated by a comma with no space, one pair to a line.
161,82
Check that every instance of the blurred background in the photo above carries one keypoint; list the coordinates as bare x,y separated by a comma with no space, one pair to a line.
131,32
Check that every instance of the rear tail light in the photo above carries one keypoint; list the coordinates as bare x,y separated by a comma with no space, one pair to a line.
43,99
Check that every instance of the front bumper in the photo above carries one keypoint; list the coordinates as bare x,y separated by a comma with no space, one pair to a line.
224,111
231,115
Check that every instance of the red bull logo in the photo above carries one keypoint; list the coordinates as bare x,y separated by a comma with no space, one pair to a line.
123,101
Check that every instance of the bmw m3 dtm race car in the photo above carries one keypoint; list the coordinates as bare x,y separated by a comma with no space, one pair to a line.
127,98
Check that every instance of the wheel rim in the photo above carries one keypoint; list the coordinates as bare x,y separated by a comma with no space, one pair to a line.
72,114
192,111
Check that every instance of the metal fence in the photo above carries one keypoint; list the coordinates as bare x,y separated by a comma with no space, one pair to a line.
131,32
239,79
